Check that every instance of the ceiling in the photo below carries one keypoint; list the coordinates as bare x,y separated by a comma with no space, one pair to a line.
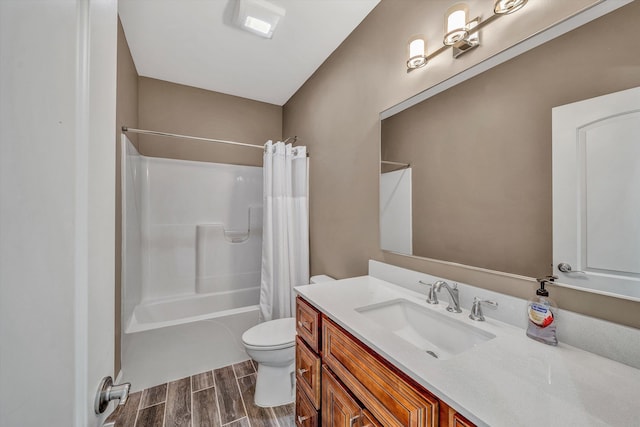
192,42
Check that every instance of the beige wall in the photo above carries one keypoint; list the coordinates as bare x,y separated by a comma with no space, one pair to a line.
481,151
179,109
337,111
126,114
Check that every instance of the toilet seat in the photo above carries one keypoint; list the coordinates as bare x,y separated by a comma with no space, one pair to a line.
273,334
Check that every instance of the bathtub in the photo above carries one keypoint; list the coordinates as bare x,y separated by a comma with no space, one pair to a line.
192,308
175,338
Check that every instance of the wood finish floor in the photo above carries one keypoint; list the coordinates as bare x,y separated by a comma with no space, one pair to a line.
222,397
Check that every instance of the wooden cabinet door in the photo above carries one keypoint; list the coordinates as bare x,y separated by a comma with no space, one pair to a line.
339,409
393,401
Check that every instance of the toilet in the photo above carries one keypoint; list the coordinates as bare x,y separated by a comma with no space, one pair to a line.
273,345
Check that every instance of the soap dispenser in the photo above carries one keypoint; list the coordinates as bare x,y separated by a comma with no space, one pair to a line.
541,311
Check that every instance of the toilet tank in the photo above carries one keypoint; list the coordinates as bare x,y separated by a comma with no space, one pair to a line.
321,278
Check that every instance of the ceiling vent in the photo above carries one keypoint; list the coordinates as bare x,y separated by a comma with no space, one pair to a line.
258,17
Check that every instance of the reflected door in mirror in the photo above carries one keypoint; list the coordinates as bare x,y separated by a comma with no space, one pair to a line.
596,193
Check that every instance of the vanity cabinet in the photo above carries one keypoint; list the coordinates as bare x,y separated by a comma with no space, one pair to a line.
339,407
388,396
342,382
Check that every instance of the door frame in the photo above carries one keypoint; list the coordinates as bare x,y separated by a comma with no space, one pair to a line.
96,138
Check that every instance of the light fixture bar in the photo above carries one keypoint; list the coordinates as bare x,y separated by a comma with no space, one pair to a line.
470,32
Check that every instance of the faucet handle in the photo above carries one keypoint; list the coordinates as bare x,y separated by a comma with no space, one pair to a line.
476,308
432,297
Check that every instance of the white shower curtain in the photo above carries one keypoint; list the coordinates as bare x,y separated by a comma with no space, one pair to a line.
285,235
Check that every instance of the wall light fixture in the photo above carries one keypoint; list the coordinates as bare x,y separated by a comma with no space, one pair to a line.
461,34
417,56
455,24
505,7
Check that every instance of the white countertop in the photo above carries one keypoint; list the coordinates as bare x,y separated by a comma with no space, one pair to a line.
510,380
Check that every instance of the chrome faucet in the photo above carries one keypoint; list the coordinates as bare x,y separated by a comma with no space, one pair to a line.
476,308
432,297
454,300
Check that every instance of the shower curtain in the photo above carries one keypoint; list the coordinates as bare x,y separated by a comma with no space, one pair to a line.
285,235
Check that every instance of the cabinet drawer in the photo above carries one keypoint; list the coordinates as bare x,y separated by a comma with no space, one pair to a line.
368,420
306,415
308,324
339,408
389,397
457,420
308,372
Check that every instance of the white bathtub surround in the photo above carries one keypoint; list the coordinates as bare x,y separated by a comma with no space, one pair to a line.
229,259
285,244
131,175
192,241
509,380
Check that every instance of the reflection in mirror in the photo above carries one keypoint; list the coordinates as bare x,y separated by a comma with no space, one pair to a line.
480,152
596,157
395,208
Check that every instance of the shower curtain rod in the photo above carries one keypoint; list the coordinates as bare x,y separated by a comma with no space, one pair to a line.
387,162
174,135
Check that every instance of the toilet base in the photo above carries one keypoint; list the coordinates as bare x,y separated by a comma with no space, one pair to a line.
275,385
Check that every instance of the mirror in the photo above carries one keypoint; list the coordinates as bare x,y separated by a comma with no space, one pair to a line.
479,154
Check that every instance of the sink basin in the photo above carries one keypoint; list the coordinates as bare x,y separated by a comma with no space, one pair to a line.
435,333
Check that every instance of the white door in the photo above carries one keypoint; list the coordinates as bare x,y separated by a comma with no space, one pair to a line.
596,193
57,203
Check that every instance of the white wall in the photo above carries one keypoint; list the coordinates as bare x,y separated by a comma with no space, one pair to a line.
57,115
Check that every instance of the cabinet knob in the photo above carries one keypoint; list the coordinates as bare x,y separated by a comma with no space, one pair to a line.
303,324
301,418
301,371
352,420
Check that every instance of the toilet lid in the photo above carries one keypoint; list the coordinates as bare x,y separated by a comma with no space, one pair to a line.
273,333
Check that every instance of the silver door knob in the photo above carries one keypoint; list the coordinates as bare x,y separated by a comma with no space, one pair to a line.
107,392
566,268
